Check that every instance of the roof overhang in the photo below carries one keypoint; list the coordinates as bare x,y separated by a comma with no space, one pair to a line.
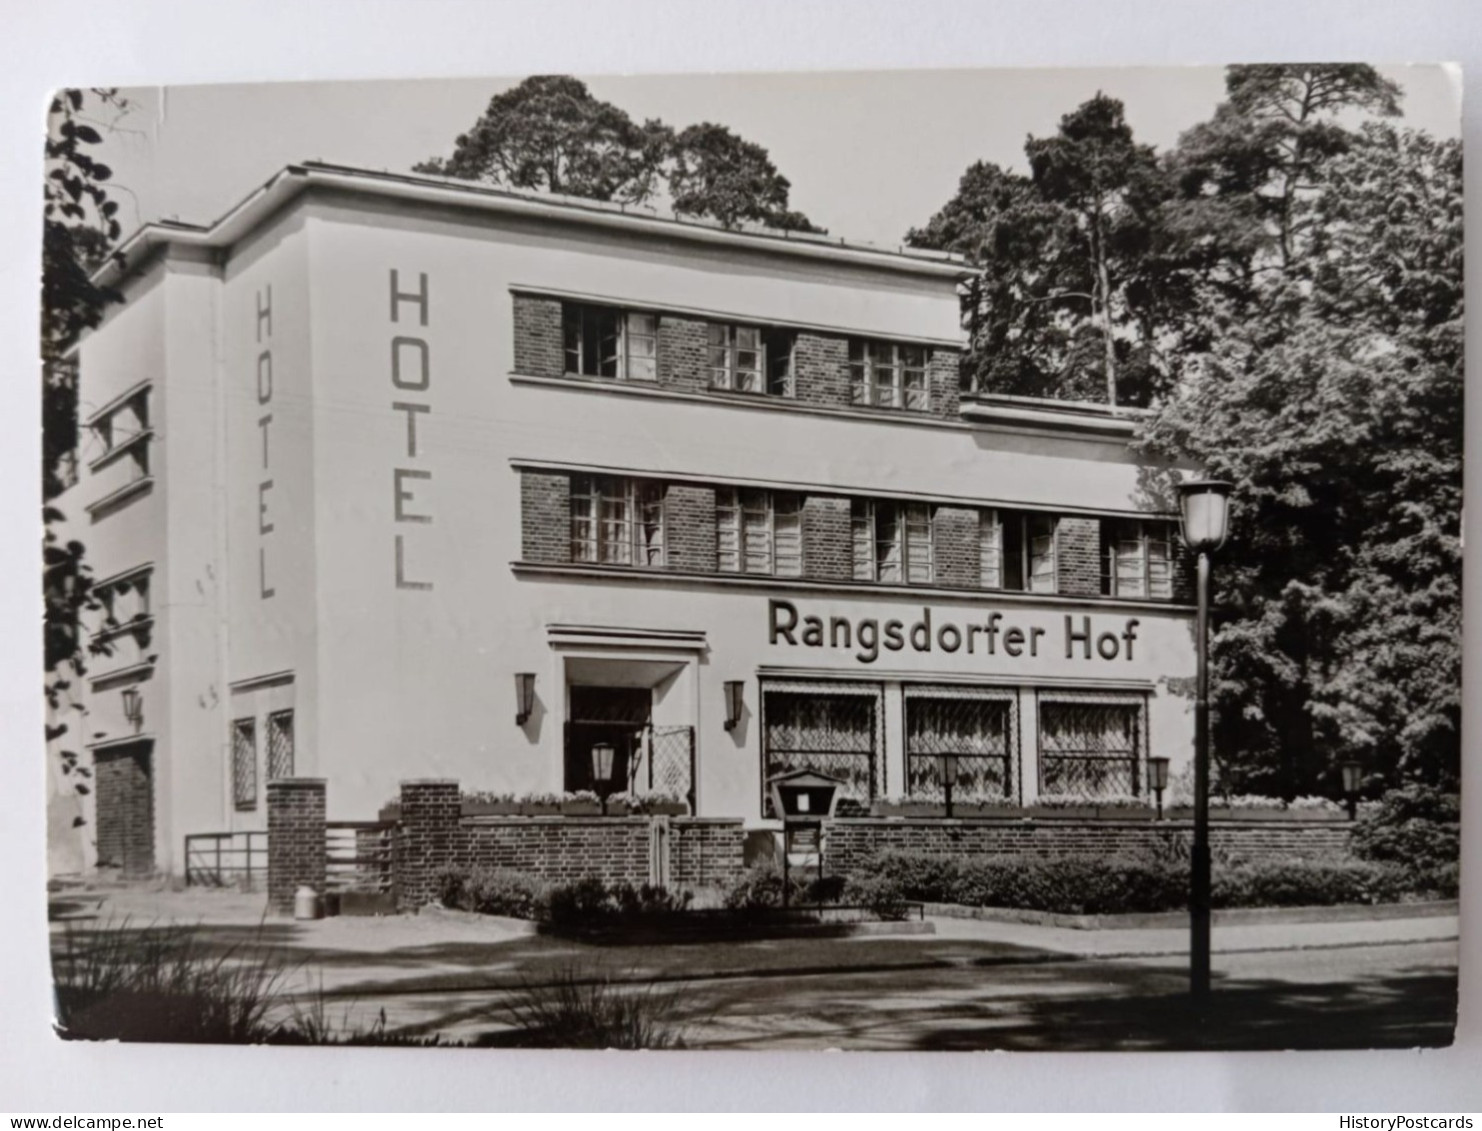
293,181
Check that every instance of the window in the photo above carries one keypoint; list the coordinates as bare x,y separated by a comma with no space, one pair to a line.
1137,559
126,627
976,725
244,763
617,521
830,728
280,745
124,599
759,532
749,359
604,342
1016,551
892,541
122,430
888,375
1091,746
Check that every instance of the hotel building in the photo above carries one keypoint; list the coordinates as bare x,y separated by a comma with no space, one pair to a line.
374,457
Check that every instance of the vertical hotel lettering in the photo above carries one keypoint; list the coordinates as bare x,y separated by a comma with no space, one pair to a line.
411,372
264,422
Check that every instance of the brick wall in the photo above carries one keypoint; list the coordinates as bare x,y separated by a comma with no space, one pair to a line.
125,811
821,369
1078,556
560,848
851,841
539,347
704,852
296,847
943,379
955,533
683,354
689,526
545,516
828,553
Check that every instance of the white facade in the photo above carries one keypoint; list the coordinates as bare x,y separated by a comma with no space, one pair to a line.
331,517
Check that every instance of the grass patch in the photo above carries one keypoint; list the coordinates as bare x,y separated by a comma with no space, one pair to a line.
578,1007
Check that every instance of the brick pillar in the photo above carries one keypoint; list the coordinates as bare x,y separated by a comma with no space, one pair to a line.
684,353
431,837
540,349
828,552
821,370
689,526
295,839
545,516
944,380
958,562
1078,557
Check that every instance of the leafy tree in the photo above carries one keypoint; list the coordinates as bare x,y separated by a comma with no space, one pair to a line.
550,134
80,223
1335,406
716,173
1073,289
1248,178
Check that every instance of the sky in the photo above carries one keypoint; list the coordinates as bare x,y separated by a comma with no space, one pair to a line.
870,154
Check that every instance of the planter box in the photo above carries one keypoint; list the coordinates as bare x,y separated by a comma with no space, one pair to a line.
541,808
907,809
984,809
581,809
491,808
390,812
1218,814
665,808
1063,812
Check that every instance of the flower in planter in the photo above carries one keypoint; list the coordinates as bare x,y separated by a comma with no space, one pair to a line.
585,795
626,801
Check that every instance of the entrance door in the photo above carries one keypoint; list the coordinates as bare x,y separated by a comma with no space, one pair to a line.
125,784
614,715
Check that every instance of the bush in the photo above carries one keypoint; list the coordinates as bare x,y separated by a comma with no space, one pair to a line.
1305,883
591,1009
761,886
1416,826
163,984
1156,879
590,901
880,895
491,891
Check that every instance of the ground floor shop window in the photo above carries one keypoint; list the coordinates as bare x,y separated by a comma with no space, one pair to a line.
280,745
830,728
979,726
1092,747
244,763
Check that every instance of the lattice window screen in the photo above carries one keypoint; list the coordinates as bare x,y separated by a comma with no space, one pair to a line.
979,725
830,728
280,745
1093,745
244,763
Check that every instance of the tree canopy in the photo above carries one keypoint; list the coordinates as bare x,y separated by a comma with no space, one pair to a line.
1284,288
550,134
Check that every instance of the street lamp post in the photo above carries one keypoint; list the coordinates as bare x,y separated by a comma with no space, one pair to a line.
1353,773
1206,510
947,767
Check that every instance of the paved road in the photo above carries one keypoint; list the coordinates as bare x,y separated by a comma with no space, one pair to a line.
974,985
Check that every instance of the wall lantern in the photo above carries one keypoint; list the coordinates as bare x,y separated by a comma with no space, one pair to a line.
734,702
524,696
1158,779
1353,773
602,759
1205,505
133,707
947,768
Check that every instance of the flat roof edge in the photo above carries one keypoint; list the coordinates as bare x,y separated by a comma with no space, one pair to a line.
293,180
